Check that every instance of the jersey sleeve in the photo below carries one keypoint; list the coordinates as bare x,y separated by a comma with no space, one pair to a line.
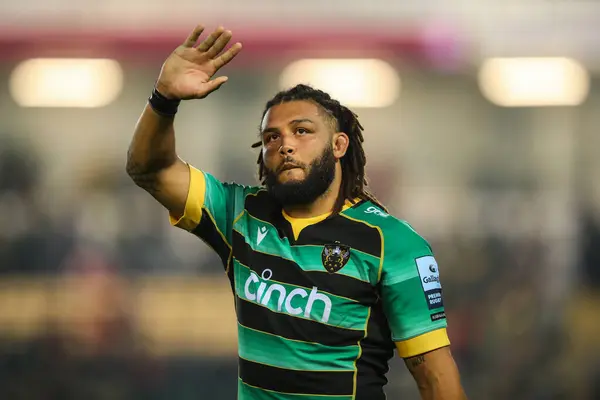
412,293
211,209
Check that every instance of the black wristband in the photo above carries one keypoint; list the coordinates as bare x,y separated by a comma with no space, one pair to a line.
163,106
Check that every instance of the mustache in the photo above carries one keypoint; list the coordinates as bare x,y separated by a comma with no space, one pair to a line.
289,163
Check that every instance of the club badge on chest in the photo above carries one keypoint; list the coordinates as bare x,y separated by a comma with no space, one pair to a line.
335,257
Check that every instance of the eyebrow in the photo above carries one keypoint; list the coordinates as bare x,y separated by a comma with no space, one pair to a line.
292,122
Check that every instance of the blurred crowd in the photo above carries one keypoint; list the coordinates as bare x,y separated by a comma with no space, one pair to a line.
509,342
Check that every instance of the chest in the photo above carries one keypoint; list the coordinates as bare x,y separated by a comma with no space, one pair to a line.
270,265
320,249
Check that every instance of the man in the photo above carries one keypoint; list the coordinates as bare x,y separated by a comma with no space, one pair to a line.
326,282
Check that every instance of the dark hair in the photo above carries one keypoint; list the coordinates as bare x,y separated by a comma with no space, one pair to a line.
354,181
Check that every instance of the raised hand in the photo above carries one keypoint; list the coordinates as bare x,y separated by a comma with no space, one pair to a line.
187,72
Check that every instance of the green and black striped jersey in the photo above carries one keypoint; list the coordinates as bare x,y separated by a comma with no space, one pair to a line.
321,303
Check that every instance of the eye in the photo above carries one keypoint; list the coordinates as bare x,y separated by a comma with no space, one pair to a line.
301,131
271,137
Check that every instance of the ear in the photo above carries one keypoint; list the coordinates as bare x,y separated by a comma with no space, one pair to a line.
341,141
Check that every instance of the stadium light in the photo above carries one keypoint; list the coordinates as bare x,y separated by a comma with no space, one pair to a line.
66,82
534,82
361,83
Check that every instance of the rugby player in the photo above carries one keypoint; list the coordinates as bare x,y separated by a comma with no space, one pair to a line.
327,284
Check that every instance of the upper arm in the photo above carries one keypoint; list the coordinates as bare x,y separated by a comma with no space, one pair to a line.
412,299
169,186
433,362
411,293
436,375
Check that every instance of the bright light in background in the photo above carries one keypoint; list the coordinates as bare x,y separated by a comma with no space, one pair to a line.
66,82
366,83
534,82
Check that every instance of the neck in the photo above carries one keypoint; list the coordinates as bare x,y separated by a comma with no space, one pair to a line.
323,205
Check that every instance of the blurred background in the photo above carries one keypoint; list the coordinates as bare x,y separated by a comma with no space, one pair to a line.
482,128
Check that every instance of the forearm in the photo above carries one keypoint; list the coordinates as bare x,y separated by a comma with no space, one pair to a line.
441,388
152,147
186,74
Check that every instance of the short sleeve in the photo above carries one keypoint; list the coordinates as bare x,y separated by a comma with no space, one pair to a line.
211,209
412,293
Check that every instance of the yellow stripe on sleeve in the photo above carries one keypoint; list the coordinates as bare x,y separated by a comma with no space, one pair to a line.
423,343
193,204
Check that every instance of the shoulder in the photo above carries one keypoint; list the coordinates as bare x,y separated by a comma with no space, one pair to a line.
392,228
233,187
398,236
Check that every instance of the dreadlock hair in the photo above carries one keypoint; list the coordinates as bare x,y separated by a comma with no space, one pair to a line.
354,182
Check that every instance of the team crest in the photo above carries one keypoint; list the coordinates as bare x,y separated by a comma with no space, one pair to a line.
335,256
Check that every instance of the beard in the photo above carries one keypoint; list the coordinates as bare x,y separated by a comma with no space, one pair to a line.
321,173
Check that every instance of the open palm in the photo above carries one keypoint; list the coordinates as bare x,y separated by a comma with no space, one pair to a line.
187,72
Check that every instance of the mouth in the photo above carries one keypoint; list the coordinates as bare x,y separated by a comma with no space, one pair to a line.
287,167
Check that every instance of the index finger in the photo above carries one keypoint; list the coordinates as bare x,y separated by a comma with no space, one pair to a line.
193,37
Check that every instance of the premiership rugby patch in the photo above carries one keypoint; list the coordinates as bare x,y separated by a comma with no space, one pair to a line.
430,281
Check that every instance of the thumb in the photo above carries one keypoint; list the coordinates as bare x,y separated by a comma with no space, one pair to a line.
211,86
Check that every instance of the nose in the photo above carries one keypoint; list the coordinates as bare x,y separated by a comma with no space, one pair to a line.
287,149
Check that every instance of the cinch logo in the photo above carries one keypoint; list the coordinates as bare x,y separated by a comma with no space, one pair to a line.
263,294
376,211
